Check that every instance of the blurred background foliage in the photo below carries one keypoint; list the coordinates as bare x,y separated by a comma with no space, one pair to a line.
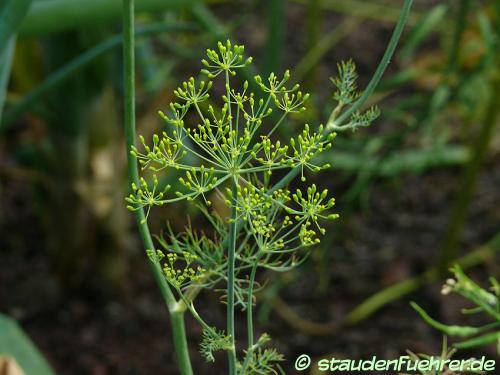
416,192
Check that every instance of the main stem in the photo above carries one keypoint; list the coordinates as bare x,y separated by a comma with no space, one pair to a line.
177,317
230,282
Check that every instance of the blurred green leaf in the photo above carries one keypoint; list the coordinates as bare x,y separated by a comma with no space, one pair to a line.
51,16
75,65
376,10
15,343
6,55
425,25
413,161
275,36
12,13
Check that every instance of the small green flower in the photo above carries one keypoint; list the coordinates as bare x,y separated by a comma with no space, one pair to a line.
192,94
180,276
307,146
227,58
143,196
345,83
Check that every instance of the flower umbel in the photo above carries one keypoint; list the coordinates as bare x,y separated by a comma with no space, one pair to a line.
226,149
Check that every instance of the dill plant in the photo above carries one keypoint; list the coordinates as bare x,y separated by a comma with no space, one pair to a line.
236,160
271,226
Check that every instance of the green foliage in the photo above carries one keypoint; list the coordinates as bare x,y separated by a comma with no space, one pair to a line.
485,301
346,95
12,13
233,157
345,83
264,361
15,343
260,360
213,340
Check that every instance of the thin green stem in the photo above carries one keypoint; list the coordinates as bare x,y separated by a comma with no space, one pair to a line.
228,94
231,257
250,304
384,62
250,317
178,328
230,282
